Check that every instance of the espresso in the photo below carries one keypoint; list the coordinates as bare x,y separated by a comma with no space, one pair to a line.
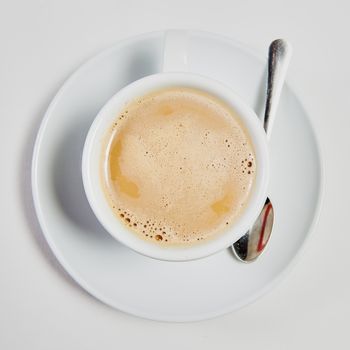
178,167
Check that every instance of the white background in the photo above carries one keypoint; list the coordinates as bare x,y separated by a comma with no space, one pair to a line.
41,43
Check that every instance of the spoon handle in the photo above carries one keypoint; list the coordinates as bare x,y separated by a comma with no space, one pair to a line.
280,52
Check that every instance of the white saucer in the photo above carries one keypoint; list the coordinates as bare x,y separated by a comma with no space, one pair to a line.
178,291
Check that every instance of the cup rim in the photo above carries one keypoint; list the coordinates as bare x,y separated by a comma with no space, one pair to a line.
91,166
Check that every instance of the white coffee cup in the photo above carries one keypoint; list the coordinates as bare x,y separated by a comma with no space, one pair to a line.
174,60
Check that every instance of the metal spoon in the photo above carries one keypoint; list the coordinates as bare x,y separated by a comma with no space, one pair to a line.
253,243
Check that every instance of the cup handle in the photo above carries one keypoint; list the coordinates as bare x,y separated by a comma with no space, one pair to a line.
175,51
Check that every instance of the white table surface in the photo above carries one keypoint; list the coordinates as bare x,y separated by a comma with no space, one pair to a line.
41,43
